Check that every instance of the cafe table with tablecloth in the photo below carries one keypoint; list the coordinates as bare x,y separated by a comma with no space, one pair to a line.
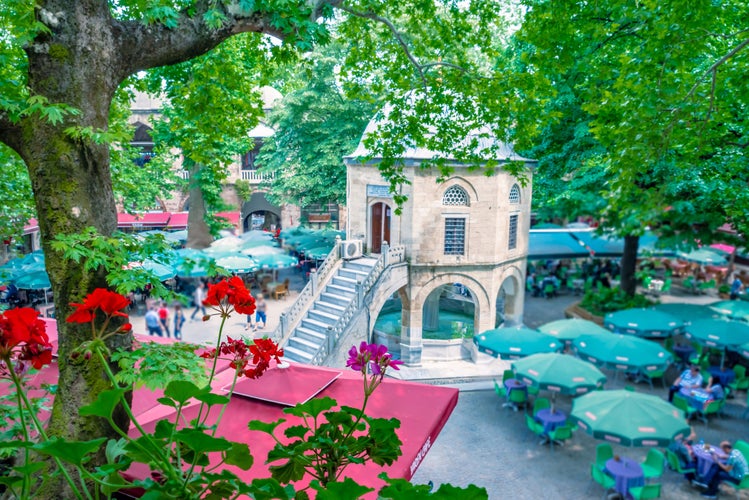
697,398
722,376
550,419
705,458
626,473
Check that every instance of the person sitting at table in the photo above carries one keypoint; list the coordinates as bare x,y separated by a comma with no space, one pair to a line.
682,448
690,378
733,470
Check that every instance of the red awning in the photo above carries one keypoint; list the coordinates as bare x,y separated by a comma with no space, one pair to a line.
126,220
155,219
32,226
231,217
178,220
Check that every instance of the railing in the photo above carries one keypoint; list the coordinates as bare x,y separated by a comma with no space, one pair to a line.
256,176
294,314
289,320
184,174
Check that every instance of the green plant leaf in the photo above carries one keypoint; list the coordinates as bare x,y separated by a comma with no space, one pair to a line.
200,442
104,405
340,490
115,449
75,452
239,455
182,391
269,488
297,431
213,399
164,429
168,402
314,407
30,468
266,427
291,471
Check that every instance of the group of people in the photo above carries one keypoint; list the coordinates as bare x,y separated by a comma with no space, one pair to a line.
691,379
728,464
157,321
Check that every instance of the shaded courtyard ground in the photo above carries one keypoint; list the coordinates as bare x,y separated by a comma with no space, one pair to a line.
490,446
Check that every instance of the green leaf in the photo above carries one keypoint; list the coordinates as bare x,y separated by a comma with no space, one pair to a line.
75,452
298,431
269,488
266,427
164,429
115,449
239,455
213,399
104,405
30,468
340,490
201,442
314,407
291,471
182,391
168,402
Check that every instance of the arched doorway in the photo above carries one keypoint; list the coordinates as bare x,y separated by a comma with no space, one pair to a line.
261,220
379,229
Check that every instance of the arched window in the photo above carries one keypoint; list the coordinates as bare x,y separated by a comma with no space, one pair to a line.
515,194
455,195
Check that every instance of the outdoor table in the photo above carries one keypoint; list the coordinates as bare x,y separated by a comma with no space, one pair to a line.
626,473
655,285
697,398
705,459
550,420
723,376
683,352
514,384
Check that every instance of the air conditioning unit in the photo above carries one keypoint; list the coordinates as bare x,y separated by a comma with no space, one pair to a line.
351,249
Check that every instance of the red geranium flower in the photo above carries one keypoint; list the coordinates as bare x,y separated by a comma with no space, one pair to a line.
23,333
228,294
111,303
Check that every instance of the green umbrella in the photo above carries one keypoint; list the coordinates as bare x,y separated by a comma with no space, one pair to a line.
162,272
735,309
318,253
629,418
558,373
643,323
571,328
38,280
704,257
237,264
191,263
35,257
514,343
276,261
622,352
687,312
719,333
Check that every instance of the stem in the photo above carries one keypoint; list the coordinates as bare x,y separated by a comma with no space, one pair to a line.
26,479
223,407
40,430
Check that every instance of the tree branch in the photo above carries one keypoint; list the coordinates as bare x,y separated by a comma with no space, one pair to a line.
715,66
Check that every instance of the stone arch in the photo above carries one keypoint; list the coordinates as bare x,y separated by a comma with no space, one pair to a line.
396,282
462,182
484,313
512,290
258,203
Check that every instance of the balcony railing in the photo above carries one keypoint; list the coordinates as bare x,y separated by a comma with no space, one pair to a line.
184,174
256,177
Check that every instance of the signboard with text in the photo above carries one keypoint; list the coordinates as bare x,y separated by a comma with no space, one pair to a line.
377,191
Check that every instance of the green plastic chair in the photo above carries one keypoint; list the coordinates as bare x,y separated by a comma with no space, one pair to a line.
598,476
742,381
549,291
517,398
532,390
507,375
675,465
644,492
743,485
712,408
535,427
743,447
650,375
666,288
653,465
683,405
560,435
540,404
604,453
630,388
500,390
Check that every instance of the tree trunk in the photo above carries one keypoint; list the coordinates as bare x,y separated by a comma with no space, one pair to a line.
198,232
629,265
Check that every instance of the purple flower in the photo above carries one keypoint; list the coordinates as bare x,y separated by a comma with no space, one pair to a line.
373,359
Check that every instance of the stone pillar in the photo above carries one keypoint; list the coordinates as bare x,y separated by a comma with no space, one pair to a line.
411,339
313,280
432,312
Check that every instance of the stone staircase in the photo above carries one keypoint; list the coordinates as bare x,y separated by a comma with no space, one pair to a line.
329,311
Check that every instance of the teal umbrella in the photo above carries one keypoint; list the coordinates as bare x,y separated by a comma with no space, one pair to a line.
514,343
227,243
35,257
744,350
191,263
252,244
704,257
687,312
571,328
643,323
318,253
34,281
275,261
256,235
622,352
629,418
176,236
237,264
16,263
294,231
305,241
162,272
558,373
258,252
719,333
735,309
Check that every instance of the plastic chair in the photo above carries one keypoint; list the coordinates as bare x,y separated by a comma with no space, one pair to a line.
649,376
597,475
549,291
742,381
507,375
653,465
712,408
666,288
604,452
683,405
500,390
517,398
675,465
535,427
644,492
560,435
540,404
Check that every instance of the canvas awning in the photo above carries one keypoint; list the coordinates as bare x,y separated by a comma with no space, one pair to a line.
554,245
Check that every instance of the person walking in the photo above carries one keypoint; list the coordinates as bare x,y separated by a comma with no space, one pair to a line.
736,287
153,324
164,318
198,297
260,308
179,321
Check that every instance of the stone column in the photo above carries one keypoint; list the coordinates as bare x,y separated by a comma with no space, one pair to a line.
432,312
411,339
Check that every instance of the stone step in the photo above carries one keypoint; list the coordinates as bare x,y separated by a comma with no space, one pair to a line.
323,316
344,282
334,298
353,274
339,290
294,354
304,345
310,335
315,325
329,307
